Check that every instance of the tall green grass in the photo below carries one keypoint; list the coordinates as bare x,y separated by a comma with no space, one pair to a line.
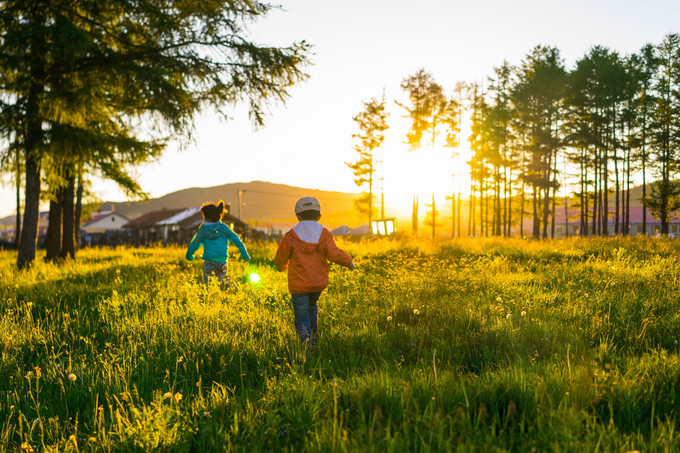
467,345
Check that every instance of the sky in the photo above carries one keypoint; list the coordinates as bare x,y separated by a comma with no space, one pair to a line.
362,49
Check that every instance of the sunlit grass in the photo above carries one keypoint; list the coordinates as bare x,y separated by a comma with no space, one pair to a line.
467,345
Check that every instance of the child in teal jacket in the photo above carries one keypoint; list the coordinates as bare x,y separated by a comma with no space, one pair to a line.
214,236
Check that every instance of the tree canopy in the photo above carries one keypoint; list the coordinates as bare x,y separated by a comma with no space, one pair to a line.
104,84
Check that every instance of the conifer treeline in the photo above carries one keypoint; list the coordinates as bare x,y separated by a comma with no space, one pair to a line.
608,121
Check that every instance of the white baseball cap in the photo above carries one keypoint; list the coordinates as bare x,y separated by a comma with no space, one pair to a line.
307,204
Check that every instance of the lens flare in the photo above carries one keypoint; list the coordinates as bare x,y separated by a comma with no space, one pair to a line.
254,278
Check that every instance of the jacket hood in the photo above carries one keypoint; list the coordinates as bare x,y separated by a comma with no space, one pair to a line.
212,230
309,233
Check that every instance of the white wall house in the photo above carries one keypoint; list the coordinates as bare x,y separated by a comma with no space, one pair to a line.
101,222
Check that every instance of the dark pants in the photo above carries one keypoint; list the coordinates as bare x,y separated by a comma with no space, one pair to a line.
219,270
306,309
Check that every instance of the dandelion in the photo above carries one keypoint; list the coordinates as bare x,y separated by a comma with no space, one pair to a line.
416,311
167,395
72,377
206,414
178,397
92,439
25,446
498,299
524,313
389,319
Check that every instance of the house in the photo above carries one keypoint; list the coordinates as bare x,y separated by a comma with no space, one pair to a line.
102,226
144,229
100,222
181,227
346,231
572,223
175,226
271,231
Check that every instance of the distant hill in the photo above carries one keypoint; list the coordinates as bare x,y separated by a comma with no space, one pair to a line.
260,202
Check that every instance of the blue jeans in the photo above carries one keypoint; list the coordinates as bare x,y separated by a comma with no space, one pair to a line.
219,270
306,309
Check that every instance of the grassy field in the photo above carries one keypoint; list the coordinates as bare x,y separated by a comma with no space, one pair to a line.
470,345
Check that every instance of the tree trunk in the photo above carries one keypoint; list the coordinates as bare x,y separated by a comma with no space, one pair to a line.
32,142
483,210
53,237
370,195
644,174
552,212
471,210
17,231
605,195
29,232
434,217
627,215
617,205
79,207
458,216
508,195
596,191
546,196
453,214
537,224
521,211
583,184
68,248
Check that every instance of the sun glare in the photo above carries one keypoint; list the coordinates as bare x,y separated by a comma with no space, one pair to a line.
419,173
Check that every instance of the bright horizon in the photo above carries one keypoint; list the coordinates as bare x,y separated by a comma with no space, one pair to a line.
362,49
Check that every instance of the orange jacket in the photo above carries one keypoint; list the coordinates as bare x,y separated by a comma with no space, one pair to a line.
307,262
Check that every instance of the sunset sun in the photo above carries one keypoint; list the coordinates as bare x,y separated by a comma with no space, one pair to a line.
420,173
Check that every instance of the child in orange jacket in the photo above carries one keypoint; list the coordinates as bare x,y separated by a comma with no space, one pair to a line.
305,251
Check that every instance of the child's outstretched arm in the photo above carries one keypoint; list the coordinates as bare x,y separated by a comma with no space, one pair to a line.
233,237
194,245
336,255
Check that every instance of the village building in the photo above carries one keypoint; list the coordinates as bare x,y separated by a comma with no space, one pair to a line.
102,227
175,226
181,227
571,226
145,229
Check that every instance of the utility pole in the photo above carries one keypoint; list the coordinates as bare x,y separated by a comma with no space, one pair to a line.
240,195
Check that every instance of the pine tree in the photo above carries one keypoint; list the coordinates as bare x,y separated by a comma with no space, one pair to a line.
372,124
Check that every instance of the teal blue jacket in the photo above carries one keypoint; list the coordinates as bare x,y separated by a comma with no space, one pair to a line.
215,237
